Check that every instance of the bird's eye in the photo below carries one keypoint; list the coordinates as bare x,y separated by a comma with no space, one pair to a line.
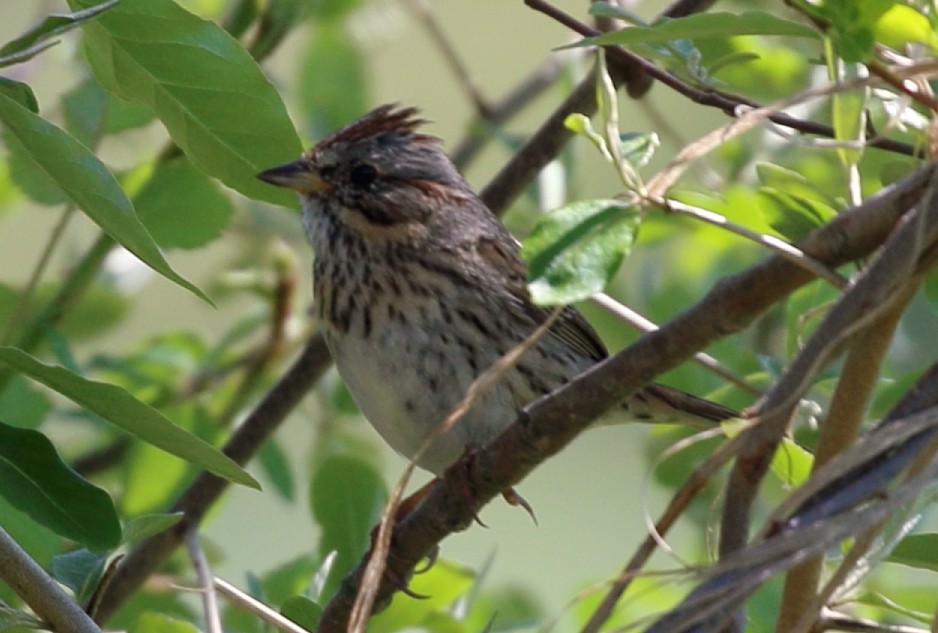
362,175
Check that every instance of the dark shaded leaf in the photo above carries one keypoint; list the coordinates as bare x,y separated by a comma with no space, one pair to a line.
35,480
19,92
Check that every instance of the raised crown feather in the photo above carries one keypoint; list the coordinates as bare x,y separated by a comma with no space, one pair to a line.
389,120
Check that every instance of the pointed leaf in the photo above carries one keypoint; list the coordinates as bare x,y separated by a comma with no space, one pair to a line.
302,610
208,91
574,251
703,25
149,524
120,408
917,550
88,183
35,480
80,571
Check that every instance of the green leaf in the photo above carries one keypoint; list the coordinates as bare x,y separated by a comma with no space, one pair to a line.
208,91
443,584
702,25
574,251
54,24
153,622
290,578
791,215
276,466
166,201
80,571
22,405
792,464
34,479
19,92
88,183
302,610
793,183
123,410
149,524
346,496
917,550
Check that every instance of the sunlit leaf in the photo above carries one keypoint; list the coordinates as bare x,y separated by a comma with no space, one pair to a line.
34,479
149,524
85,179
166,201
917,550
123,410
206,89
152,622
703,25
574,251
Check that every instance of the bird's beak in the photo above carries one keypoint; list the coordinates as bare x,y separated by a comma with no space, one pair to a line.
300,175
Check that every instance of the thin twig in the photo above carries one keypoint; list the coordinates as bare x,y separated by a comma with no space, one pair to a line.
257,607
640,323
782,248
206,587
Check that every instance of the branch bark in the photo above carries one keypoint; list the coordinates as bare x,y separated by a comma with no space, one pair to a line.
551,422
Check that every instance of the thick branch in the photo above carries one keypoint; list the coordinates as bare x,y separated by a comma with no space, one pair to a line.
551,422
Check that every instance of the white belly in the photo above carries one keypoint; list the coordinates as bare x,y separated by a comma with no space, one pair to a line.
407,380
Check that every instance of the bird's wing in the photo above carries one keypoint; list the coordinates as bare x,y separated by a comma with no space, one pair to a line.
570,326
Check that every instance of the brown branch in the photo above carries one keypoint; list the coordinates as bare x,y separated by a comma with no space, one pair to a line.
838,431
868,298
195,501
548,424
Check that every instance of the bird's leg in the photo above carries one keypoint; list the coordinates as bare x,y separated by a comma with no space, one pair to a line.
468,461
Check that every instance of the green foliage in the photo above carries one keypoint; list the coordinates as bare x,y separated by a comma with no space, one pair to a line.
143,131
573,252
34,479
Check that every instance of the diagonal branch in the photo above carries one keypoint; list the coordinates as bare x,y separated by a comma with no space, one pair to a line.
550,423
